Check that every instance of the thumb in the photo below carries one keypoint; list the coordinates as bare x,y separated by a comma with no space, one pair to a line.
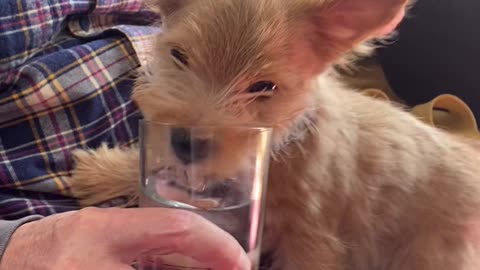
133,232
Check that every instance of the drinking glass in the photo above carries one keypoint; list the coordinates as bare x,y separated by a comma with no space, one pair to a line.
218,172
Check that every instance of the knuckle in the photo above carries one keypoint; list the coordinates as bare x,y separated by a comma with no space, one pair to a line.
89,219
184,221
85,216
91,211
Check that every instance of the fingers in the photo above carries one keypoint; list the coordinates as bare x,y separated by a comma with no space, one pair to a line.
208,243
167,231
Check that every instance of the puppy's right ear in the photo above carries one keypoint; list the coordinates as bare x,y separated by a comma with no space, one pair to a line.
167,8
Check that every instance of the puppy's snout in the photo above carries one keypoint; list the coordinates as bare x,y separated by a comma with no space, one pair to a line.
187,148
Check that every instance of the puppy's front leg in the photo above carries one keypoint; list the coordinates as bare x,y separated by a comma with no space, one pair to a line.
104,174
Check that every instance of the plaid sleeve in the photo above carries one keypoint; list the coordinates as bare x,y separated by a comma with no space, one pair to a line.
27,26
71,92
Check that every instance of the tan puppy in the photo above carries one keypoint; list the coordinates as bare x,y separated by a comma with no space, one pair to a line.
355,183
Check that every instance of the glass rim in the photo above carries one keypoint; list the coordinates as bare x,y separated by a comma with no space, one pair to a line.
207,126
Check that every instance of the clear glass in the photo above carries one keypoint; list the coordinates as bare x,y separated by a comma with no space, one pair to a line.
218,172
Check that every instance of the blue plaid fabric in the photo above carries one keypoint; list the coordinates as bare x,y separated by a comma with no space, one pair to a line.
66,75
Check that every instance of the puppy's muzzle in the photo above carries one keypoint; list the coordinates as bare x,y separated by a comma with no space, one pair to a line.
187,148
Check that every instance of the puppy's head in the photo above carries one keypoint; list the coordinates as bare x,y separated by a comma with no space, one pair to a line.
251,62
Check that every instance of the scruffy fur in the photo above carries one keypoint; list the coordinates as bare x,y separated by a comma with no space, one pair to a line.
355,183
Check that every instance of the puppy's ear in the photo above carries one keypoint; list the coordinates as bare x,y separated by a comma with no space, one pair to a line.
166,8
343,24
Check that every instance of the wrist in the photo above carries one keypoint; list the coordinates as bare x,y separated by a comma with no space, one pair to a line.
14,241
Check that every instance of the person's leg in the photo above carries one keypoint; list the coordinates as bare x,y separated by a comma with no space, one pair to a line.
437,52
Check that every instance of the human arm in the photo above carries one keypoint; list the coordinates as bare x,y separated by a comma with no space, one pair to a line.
113,238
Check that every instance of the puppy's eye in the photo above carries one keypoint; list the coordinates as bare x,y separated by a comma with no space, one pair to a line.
262,87
179,56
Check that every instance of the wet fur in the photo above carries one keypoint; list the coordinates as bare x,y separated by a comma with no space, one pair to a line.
355,183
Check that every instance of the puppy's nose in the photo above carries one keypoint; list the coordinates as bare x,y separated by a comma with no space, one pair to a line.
187,148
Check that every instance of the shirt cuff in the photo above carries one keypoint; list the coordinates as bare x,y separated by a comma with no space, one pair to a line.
7,228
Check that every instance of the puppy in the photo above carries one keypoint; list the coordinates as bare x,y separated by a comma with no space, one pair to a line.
354,183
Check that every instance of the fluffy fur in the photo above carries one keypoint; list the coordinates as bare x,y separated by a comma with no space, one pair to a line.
355,183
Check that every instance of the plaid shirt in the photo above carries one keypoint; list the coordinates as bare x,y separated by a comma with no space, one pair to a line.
66,74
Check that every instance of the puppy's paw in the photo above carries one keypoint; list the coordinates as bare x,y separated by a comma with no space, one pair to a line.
104,174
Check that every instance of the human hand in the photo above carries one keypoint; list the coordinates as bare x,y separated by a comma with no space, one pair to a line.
112,239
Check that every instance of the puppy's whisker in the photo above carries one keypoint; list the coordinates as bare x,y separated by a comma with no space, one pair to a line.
234,86
294,115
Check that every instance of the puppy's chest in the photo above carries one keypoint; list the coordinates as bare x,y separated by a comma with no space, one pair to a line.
295,202
305,204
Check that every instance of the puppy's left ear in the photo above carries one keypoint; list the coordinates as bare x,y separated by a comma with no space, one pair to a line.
344,24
